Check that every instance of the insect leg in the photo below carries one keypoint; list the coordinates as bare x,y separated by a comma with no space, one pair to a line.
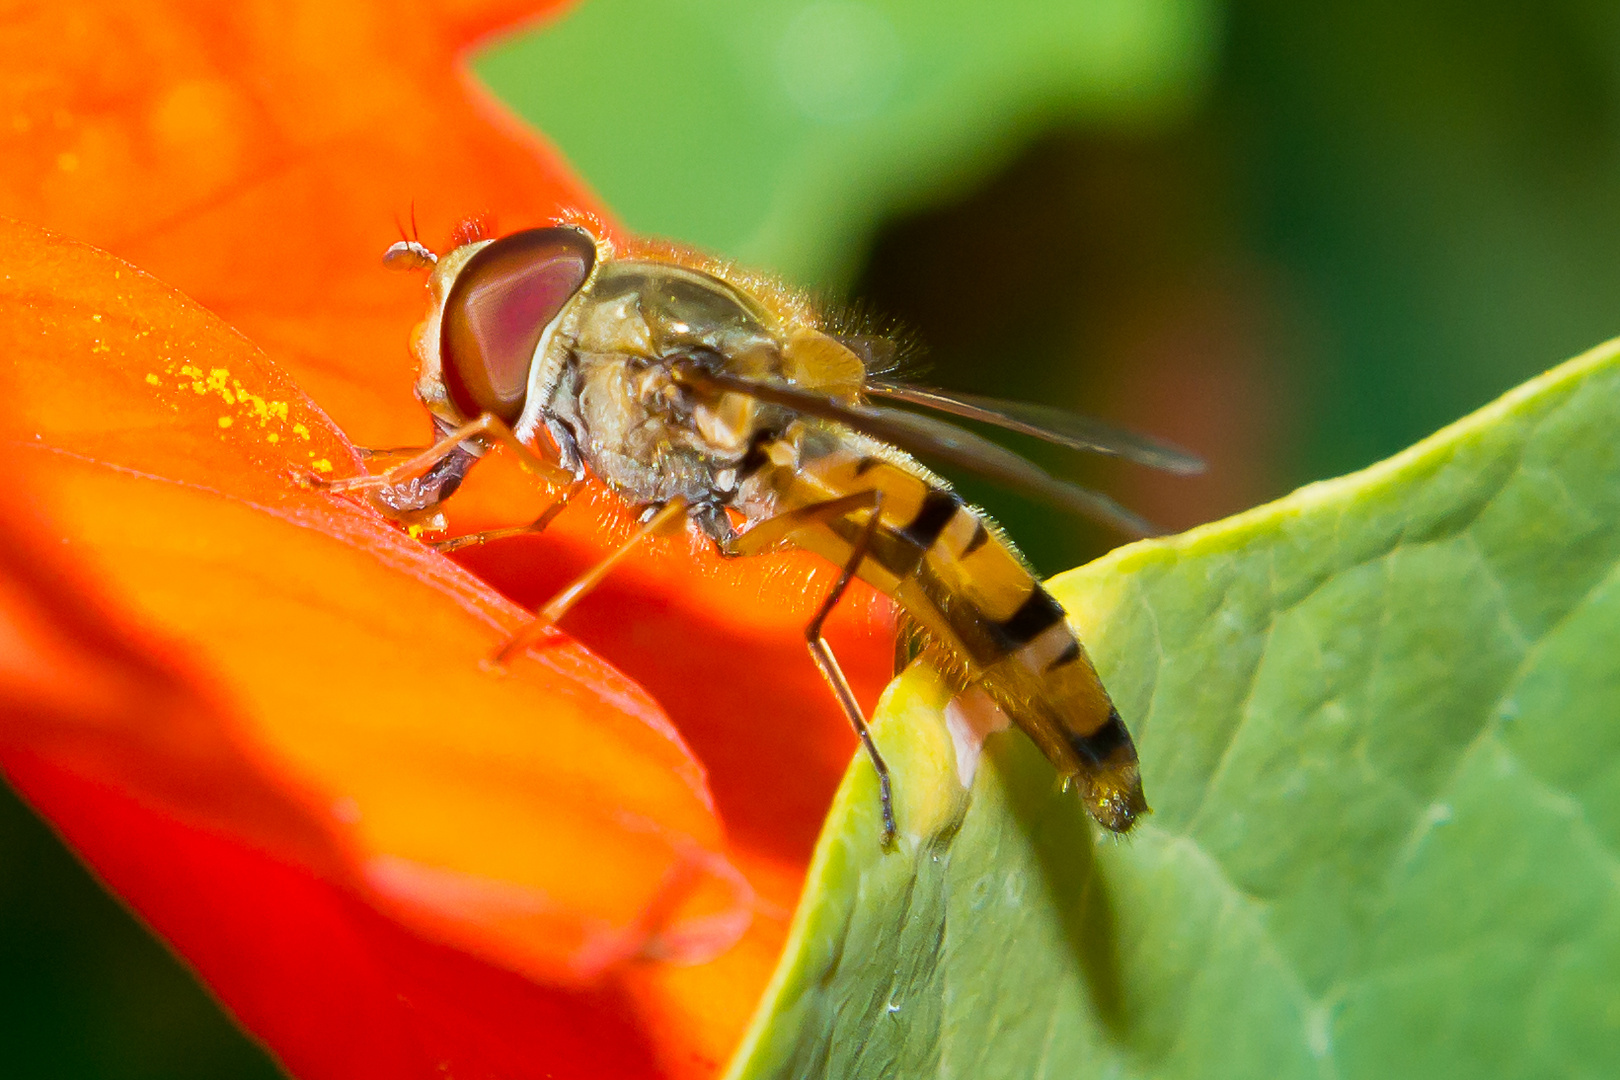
772,531
487,426
766,534
830,671
370,452
547,516
548,616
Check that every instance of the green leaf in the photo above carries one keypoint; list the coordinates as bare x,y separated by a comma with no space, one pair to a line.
779,132
1379,722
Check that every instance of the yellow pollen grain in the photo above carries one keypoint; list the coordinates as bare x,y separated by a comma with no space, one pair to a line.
301,431
224,421
153,380
261,409
414,531
321,465
272,437
95,318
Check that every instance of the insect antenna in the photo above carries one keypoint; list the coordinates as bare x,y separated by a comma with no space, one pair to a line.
409,253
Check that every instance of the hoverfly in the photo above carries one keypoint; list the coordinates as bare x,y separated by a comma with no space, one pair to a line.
716,399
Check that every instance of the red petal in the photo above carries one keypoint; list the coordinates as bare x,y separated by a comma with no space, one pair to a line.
310,695
256,158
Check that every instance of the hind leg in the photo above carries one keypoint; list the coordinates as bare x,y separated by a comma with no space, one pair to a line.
773,531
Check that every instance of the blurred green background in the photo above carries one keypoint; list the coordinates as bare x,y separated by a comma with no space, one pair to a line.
1294,238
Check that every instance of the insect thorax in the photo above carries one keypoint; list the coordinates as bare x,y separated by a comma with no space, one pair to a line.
618,399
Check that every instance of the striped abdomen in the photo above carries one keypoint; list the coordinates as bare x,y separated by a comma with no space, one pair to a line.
978,605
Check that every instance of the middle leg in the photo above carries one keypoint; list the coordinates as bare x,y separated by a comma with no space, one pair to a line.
547,516
670,514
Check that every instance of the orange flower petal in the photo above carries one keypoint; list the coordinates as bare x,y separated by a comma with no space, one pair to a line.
256,158
320,690
271,206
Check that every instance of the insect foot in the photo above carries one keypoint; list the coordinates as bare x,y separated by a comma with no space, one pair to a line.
307,479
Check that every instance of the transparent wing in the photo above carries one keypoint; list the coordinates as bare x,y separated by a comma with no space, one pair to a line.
930,437
1047,423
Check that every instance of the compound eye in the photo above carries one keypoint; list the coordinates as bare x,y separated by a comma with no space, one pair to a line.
500,305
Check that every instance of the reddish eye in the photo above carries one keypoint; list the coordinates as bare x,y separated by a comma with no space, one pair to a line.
500,305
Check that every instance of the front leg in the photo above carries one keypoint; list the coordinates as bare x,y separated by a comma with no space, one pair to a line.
409,497
432,474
